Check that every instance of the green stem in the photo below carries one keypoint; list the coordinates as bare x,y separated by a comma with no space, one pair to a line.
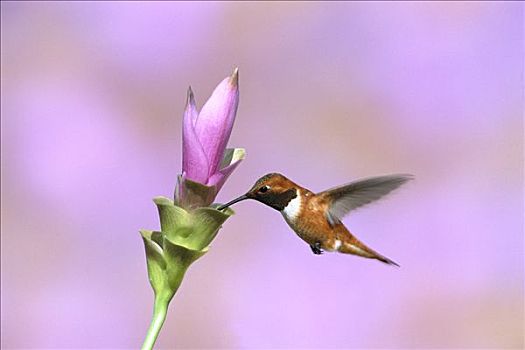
159,316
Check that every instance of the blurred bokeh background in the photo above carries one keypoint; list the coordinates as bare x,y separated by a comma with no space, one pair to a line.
92,100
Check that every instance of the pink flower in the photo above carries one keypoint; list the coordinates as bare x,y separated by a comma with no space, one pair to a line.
205,134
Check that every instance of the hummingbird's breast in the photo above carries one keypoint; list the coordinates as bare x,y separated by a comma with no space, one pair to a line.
293,209
305,214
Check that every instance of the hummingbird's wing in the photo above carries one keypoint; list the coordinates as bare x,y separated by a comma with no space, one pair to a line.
344,199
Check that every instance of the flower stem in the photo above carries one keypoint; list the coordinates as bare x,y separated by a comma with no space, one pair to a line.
160,310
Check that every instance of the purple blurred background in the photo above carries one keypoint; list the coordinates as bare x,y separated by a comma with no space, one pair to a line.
92,101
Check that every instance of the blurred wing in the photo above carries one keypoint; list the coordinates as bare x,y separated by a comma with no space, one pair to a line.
348,197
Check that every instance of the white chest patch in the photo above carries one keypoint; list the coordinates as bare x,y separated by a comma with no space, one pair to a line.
292,210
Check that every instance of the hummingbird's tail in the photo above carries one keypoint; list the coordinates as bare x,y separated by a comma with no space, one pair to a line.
356,247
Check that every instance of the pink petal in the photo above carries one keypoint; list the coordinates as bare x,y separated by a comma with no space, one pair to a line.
219,178
215,121
194,160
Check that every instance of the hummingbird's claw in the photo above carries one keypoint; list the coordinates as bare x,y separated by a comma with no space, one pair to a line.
316,248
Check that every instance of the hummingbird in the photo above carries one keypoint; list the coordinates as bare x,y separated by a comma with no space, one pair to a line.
316,217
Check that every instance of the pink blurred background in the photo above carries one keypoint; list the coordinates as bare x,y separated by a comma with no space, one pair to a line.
92,101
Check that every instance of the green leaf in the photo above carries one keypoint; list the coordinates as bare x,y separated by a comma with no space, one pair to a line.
157,237
184,237
194,194
174,221
155,261
231,155
194,229
178,259
206,223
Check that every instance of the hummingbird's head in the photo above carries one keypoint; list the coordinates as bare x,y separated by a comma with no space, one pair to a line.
273,189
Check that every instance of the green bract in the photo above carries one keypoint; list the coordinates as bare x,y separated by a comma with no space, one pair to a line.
184,237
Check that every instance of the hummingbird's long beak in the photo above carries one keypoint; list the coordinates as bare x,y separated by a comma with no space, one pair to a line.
241,198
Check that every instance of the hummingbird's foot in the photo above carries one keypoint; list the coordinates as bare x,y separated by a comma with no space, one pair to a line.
316,248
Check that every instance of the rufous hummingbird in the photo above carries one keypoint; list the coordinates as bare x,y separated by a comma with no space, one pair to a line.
316,217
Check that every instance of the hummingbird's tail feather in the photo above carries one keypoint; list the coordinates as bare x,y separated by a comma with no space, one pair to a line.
386,260
356,247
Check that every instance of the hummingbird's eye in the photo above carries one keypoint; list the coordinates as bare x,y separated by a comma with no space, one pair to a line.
264,189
